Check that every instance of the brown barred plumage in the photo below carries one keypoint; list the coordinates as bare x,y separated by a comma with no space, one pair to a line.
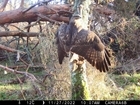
74,38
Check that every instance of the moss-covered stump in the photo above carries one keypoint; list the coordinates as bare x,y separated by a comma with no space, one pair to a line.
80,90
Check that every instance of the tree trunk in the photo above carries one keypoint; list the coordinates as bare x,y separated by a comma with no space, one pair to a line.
80,90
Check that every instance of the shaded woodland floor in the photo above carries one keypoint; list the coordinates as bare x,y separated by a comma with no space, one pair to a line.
57,86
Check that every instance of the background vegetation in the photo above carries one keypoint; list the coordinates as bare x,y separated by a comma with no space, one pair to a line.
53,80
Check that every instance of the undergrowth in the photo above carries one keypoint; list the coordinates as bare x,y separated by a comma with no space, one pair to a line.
122,87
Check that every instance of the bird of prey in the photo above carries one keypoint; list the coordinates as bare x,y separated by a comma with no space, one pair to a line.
74,38
137,11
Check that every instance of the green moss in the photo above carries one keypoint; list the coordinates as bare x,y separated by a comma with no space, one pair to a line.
80,90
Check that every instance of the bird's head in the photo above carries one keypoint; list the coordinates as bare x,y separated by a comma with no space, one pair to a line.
76,20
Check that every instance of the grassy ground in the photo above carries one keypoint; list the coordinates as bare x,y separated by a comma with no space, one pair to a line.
10,90
118,87
130,86
121,87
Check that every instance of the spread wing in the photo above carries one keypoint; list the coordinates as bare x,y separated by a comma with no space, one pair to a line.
88,44
84,43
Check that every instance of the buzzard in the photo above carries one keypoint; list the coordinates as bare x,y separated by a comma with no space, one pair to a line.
137,11
74,38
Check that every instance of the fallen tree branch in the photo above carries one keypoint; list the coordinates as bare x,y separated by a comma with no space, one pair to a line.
104,10
47,18
18,80
31,76
21,34
59,18
18,15
24,66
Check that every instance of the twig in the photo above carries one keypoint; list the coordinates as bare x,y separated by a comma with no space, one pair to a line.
29,8
40,27
23,61
28,30
50,8
18,33
31,76
35,45
33,23
5,27
65,13
21,86
24,66
45,17
133,66
16,27
39,3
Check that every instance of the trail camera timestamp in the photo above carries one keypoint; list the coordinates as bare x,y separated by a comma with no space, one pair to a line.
90,102
61,102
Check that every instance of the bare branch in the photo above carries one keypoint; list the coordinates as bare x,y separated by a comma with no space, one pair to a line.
20,80
30,25
24,62
59,18
17,33
31,76
10,49
39,3
47,18
16,27
104,10
133,66
24,66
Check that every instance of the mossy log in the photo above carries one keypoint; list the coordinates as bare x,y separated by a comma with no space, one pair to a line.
80,90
